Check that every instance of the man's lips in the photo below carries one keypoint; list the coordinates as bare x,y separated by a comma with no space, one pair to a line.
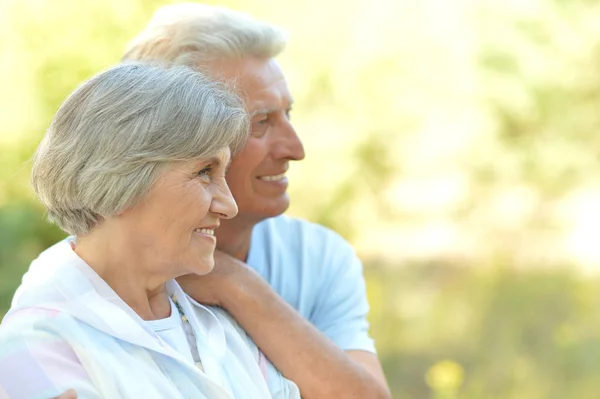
276,177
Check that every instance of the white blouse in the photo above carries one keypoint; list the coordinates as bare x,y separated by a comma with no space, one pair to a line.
68,329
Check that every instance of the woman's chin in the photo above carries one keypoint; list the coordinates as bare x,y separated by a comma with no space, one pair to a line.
204,267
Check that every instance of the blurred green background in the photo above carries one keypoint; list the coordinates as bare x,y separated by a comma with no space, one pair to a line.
453,142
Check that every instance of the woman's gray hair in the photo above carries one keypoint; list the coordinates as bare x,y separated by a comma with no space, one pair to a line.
115,134
194,34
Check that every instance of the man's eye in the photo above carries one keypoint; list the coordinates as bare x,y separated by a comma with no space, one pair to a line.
259,128
288,114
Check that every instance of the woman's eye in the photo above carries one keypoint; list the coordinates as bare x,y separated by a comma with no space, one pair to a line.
206,171
263,121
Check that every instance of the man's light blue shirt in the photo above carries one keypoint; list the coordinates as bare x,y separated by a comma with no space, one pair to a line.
318,273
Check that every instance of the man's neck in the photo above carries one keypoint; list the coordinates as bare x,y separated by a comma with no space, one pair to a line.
234,235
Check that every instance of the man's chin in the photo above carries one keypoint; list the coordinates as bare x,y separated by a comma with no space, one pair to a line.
269,209
278,207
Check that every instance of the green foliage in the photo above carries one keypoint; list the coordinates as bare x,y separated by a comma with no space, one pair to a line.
23,235
515,334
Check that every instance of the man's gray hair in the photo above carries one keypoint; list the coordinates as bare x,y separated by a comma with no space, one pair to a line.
194,34
115,134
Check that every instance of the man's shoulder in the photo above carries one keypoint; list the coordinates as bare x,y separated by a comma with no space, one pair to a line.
296,241
295,231
302,260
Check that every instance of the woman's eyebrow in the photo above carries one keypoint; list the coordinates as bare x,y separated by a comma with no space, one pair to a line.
217,162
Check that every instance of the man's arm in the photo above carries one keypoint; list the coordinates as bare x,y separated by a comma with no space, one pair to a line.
300,351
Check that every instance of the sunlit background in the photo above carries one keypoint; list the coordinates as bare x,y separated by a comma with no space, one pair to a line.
453,142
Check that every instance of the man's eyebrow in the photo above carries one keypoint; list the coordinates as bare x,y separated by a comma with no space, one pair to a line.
265,111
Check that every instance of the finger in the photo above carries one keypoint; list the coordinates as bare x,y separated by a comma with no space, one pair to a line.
70,394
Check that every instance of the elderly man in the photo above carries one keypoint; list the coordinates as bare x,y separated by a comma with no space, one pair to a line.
296,287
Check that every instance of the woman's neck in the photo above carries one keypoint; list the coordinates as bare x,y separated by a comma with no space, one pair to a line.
123,270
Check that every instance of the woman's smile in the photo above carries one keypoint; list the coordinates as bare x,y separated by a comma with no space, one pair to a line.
207,233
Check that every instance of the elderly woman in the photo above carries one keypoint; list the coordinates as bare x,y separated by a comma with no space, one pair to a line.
133,167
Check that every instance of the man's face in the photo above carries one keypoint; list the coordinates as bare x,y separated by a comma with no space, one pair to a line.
256,176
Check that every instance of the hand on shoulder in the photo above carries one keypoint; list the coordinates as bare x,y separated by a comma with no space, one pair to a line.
228,276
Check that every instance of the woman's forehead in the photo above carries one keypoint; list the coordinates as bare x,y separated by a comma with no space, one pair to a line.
221,157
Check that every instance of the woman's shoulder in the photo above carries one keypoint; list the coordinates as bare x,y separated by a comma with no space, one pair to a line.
36,360
32,322
25,333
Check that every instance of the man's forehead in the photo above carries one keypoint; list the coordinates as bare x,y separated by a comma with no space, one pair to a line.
260,82
248,70
261,102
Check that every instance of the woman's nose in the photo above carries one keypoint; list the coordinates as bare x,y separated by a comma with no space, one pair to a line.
223,202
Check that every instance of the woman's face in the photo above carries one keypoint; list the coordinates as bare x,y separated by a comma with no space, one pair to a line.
173,226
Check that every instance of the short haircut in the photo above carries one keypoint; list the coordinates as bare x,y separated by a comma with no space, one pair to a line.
115,134
194,34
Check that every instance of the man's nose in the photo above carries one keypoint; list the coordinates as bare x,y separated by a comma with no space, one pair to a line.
287,143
